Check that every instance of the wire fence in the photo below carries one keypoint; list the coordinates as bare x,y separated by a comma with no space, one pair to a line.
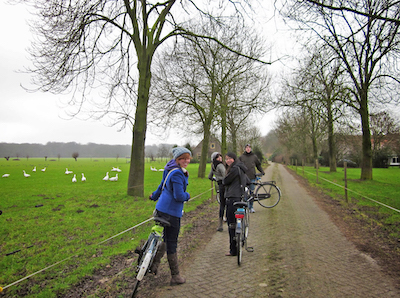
355,192
106,240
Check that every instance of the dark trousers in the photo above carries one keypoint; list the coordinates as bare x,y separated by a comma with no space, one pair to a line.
222,200
171,233
231,220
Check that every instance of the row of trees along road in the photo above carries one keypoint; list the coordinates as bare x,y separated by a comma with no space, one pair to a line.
84,45
352,63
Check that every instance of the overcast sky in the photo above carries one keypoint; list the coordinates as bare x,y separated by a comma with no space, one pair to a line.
27,117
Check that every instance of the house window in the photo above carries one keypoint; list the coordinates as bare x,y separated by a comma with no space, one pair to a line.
395,160
212,145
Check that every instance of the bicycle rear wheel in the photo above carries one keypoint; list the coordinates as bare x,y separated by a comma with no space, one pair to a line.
267,195
135,287
239,246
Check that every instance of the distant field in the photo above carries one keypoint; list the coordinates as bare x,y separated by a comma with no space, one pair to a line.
384,188
46,218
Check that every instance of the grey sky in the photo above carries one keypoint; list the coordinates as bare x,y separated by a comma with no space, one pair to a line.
27,117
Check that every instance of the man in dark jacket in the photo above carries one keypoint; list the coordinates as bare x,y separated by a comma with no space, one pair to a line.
251,162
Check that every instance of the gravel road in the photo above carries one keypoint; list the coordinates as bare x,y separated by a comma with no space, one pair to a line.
298,252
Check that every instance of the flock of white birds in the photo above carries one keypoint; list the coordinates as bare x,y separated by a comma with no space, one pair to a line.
74,179
155,170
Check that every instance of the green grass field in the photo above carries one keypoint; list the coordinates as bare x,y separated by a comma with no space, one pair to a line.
384,188
46,219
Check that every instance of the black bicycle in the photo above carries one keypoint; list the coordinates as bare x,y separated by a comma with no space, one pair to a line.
149,250
266,193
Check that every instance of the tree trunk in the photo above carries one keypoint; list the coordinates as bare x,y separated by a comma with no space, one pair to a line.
206,140
223,127
204,150
136,170
366,165
331,141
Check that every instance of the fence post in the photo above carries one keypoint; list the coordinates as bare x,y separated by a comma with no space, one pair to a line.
345,182
302,165
316,167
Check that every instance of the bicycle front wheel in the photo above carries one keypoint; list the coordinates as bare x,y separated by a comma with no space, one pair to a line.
239,247
267,195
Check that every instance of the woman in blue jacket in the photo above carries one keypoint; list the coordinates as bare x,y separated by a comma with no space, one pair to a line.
170,196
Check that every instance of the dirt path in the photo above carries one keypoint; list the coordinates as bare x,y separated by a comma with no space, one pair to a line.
298,252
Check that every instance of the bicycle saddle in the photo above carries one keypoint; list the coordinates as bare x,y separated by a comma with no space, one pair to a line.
161,221
240,204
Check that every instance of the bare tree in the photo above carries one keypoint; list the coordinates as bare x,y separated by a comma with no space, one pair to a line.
318,84
199,72
367,48
83,45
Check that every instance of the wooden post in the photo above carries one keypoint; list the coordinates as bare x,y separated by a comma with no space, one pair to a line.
302,164
316,167
296,165
345,182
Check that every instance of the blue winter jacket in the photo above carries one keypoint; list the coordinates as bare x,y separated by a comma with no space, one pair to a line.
171,199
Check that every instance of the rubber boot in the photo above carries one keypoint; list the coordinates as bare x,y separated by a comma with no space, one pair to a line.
220,229
176,279
157,259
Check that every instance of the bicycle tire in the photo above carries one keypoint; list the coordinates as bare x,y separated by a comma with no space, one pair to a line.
239,247
135,287
246,225
267,195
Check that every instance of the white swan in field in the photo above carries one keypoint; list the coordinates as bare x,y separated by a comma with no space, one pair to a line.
161,170
25,174
114,178
74,178
106,177
44,169
117,169
153,169
34,169
83,178
68,172
6,175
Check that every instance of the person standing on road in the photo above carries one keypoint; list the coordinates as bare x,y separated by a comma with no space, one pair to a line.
251,162
234,182
171,195
218,171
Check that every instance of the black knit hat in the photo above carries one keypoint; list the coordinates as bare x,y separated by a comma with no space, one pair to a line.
232,155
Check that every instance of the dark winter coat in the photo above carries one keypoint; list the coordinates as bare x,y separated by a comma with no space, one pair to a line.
235,180
251,162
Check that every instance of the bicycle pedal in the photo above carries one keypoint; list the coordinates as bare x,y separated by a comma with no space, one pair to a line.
138,250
